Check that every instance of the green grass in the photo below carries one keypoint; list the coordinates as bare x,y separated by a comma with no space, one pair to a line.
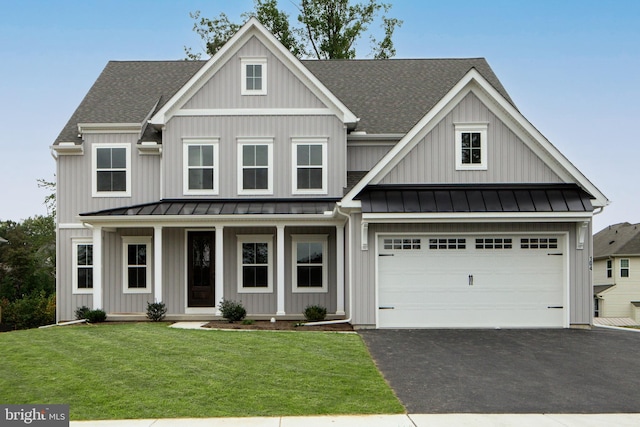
147,370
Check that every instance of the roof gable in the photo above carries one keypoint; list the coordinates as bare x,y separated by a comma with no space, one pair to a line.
474,82
617,239
252,28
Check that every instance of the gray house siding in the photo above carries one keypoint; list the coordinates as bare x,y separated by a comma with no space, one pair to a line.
364,262
509,160
66,301
365,157
284,90
229,129
174,269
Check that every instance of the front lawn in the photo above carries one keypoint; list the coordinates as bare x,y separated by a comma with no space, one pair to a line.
147,370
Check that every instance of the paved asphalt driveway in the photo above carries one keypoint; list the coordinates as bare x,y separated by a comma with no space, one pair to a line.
510,371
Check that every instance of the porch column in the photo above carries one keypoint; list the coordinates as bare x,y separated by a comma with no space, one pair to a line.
219,268
97,267
280,270
340,270
157,263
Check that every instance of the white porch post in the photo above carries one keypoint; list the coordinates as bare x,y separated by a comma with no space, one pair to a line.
97,268
157,262
219,266
340,269
280,270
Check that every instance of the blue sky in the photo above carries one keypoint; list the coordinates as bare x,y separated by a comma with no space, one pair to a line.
571,67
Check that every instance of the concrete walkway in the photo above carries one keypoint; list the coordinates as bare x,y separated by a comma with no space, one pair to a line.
410,420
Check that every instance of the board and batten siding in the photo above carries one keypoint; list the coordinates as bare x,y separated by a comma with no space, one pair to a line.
433,161
67,302
74,179
228,129
364,262
364,157
223,90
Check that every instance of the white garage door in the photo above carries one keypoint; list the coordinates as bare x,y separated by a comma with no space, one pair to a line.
470,281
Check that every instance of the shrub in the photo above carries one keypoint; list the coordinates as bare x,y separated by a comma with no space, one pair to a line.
30,311
232,311
248,322
156,311
81,312
315,313
96,316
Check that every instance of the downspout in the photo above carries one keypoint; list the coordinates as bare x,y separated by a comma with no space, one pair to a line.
348,320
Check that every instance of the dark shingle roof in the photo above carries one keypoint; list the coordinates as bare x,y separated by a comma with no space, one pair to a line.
618,239
389,96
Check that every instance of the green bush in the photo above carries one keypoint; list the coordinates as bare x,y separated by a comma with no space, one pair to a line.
232,311
81,312
30,311
96,316
248,322
315,313
156,311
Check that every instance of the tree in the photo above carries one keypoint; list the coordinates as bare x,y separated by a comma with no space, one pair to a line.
329,28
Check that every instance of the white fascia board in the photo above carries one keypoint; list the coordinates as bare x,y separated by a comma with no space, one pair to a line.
193,112
109,128
68,149
476,217
186,221
252,28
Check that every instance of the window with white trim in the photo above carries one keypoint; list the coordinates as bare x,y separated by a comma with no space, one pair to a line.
200,159
471,146
609,268
111,174
255,166
624,267
309,162
254,76
82,266
255,263
136,263
309,263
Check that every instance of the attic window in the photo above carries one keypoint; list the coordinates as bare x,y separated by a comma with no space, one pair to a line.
254,76
471,146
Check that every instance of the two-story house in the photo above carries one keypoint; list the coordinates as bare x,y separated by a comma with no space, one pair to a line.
396,193
616,264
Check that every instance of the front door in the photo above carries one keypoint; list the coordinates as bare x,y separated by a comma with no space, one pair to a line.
201,269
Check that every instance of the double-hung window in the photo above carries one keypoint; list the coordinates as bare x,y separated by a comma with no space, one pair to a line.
309,263
137,264
254,76
255,264
609,268
471,146
309,160
82,266
111,176
200,166
624,267
255,166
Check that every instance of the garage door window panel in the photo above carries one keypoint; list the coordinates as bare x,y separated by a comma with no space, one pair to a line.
539,243
402,244
447,243
494,243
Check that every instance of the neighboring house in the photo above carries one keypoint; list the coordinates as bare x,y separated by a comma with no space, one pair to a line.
396,193
616,277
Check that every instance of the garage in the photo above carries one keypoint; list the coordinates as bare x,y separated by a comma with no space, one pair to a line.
471,281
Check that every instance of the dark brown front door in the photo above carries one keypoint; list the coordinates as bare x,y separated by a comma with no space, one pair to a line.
201,269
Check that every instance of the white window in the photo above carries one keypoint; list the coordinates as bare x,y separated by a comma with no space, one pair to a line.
309,263
255,166
136,261
255,264
624,267
609,268
111,175
82,266
309,166
200,158
471,146
254,76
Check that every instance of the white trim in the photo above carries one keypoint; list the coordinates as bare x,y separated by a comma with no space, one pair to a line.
364,235
460,129
581,234
270,170
478,217
340,258
322,142
136,240
94,170
68,149
71,226
262,62
157,265
255,238
75,242
280,260
88,128
201,142
309,238
97,267
219,266
252,29
217,112
149,148
181,221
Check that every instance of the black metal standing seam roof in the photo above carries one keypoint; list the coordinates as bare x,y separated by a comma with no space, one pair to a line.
222,207
474,198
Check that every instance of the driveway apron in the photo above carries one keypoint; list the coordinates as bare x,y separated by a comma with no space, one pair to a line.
510,371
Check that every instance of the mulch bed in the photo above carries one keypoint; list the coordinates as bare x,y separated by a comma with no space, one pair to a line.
280,325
